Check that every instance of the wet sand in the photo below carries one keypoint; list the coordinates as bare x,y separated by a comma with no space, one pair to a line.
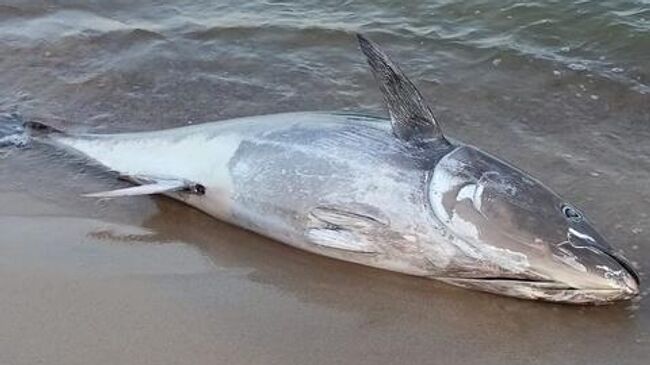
150,281
160,283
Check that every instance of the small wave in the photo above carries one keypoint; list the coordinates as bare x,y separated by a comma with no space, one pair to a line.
600,38
12,131
215,32
9,11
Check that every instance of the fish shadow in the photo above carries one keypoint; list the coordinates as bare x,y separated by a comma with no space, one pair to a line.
382,299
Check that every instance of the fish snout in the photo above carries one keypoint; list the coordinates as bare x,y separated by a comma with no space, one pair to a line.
596,271
628,282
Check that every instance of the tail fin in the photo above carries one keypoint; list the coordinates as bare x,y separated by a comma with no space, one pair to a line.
36,128
16,133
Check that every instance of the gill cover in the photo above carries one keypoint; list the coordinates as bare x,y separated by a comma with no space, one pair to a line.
484,200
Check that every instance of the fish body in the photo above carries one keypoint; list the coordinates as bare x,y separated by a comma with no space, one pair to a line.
339,185
390,193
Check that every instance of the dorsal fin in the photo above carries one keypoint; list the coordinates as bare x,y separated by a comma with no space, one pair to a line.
411,117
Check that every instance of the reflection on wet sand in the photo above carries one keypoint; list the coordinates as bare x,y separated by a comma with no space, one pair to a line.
379,297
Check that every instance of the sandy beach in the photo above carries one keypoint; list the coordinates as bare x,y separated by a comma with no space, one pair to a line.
178,287
147,280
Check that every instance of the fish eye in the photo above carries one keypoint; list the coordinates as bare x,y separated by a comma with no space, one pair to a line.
570,213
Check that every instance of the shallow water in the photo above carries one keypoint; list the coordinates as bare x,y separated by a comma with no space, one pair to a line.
560,88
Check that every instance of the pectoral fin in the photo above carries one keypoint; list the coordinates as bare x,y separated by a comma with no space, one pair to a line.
151,185
340,240
344,230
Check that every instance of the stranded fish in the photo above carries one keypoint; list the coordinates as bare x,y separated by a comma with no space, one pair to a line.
393,194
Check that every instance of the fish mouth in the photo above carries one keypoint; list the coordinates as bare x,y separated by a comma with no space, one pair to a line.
608,278
545,290
627,267
506,282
